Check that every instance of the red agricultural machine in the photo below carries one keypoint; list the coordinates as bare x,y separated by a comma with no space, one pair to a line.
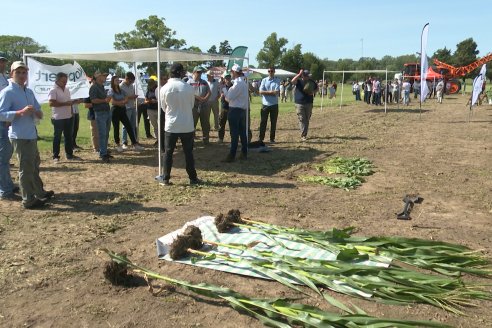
442,70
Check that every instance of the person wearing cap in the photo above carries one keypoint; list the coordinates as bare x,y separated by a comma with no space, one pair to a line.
303,99
224,106
102,112
269,91
213,100
201,109
19,107
61,103
238,98
177,99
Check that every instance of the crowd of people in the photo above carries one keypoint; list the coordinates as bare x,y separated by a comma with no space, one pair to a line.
377,92
184,102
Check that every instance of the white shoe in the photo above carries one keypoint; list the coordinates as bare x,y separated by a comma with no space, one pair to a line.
124,146
137,147
119,149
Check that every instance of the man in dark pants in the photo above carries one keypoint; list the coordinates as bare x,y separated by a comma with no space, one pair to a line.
142,111
62,117
238,98
201,109
224,107
270,90
303,98
177,99
19,107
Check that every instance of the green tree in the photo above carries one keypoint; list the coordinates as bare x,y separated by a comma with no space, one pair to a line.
466,52
225,48
190,64
443,55
292,60
146,34
11,46
272,51
212,63
313,63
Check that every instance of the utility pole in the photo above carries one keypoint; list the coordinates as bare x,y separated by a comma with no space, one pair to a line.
362,48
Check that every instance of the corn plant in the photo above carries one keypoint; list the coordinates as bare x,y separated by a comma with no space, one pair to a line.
279,313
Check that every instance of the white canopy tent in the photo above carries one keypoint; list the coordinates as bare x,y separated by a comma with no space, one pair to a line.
278,72
149,55
356,71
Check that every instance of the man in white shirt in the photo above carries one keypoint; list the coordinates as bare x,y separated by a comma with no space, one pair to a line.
238,98
61,117
177,100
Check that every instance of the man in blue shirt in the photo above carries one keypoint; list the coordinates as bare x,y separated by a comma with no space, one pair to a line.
19,107
270,90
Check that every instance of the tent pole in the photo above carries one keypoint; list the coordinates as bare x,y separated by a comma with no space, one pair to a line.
322,93
135,87
249,104
341,95
158,107
386,89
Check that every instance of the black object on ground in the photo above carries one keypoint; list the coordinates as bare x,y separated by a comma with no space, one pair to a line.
409,200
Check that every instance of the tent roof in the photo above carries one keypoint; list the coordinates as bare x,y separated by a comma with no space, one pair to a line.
431,74
278,72
137,55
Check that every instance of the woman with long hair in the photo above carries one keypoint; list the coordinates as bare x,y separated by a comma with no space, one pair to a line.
118,100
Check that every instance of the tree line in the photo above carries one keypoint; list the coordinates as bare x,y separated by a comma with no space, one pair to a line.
149,31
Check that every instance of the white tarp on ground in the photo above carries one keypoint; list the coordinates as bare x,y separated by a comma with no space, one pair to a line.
248,237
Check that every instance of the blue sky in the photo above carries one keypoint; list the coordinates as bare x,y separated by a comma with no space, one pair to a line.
329,29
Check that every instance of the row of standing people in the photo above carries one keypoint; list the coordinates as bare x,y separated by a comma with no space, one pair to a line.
395,91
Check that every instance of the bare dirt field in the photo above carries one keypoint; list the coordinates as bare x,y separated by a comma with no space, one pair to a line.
52,276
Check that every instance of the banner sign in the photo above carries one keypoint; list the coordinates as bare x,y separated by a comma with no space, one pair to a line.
478,85
424,64
42,79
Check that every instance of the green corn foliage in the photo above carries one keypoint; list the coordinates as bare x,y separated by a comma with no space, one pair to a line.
444,258
353,169
281,313
347,166
391,285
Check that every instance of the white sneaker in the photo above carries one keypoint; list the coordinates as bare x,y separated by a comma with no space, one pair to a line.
137,147
124,146
119,149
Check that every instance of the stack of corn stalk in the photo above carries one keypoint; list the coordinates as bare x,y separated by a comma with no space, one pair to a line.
279,313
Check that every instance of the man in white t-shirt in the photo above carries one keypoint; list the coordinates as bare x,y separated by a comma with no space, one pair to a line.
177,100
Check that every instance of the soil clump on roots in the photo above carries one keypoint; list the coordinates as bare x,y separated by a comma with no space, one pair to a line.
225,223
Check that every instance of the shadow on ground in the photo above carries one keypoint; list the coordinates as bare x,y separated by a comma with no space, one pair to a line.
258,163
102,203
